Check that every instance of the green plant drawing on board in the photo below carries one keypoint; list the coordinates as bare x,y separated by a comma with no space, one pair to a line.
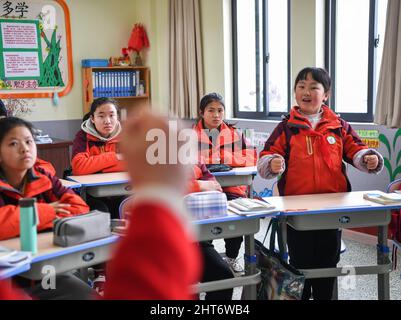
51,71
387,161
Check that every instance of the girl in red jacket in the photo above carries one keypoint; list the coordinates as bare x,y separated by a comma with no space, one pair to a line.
39,162
19,178
309,148
221,143
95,148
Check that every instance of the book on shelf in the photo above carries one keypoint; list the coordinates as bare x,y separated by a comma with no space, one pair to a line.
246,206
382,197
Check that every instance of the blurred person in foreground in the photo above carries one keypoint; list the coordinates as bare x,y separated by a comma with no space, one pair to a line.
158,258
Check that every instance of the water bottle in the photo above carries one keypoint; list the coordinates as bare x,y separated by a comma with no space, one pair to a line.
28,224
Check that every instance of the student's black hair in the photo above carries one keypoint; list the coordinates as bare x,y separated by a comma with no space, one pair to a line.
209,98
318,74
100,101
7,124
3,109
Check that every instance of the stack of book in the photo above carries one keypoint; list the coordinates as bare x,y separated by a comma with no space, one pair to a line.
382,197
246,206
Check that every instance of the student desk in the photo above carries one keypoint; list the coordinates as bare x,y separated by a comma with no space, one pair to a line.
62,259
13,271
117,183
334,211
70,184
230,226
103,184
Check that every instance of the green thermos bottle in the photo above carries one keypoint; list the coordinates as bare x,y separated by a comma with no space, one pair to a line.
28,224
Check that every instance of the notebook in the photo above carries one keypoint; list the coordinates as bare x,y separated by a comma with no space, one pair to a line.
382,197
246,206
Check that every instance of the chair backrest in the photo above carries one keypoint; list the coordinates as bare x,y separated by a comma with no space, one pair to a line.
395,185
124,207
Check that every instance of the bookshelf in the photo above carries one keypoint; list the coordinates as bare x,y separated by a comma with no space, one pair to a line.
130,86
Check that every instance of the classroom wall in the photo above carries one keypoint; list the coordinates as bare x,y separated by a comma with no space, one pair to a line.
93,36
307,26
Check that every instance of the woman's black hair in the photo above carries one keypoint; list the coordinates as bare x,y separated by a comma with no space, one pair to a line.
209,98
7,124
100,101
318,74
3,109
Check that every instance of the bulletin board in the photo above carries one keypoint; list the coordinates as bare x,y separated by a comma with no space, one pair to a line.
35,49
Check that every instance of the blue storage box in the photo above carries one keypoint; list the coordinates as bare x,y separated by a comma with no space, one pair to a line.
90,63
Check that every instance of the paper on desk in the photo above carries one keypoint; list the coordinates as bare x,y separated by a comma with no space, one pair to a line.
12,258
250,213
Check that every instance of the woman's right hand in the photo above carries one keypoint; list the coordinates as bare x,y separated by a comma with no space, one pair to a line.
209,186
59,207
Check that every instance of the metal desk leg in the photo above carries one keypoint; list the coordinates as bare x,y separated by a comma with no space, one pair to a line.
383,280
283,228
249,292
83,193
335,290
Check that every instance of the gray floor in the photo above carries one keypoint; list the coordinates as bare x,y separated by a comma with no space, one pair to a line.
349,288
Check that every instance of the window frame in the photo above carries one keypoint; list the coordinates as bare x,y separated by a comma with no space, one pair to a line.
330,59
262,112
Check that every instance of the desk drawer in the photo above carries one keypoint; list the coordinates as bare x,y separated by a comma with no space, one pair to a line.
72,261
228,229
110,190
357,219
229,181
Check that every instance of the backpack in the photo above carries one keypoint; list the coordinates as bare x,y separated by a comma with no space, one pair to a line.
279,280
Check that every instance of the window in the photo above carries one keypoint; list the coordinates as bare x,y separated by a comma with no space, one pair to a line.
261,58
354,50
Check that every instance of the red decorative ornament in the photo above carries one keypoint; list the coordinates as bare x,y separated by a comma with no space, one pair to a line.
137,41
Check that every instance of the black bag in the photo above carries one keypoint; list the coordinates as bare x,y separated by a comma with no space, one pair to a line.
280,281
218,167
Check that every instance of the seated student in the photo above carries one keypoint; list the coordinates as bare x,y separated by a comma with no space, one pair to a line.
39,162
158,265
19,178
95,148
214,266
221,143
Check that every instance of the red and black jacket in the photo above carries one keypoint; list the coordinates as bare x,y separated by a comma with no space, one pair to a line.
46,189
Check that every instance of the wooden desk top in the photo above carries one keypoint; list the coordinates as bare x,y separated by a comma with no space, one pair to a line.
99,179
70,184
327,202
47,250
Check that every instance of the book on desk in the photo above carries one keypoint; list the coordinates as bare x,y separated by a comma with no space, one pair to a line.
246,206
12,258
382,197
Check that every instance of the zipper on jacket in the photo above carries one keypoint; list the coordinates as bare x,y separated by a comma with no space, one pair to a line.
309,145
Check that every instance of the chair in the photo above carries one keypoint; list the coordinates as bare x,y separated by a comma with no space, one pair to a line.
124,206
395,185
